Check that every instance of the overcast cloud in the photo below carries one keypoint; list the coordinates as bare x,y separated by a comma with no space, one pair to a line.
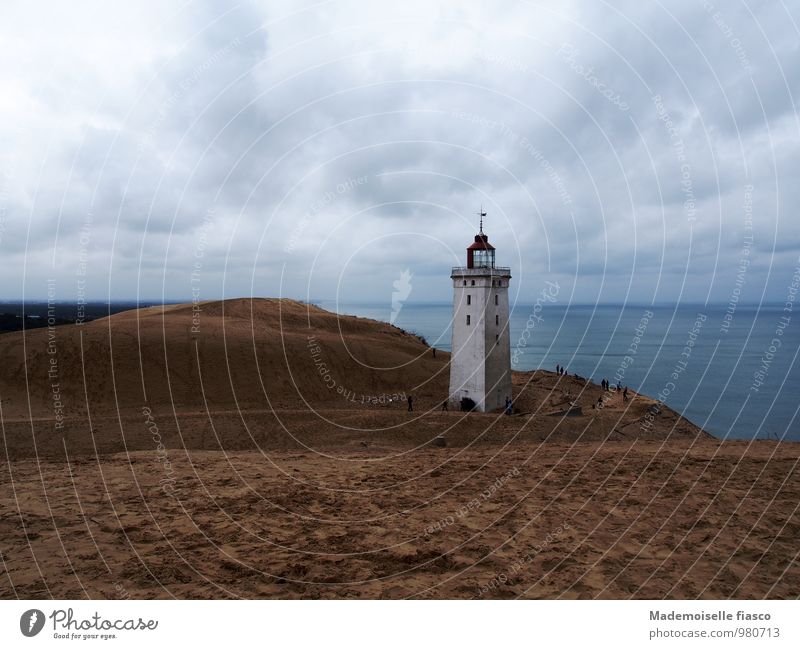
315,150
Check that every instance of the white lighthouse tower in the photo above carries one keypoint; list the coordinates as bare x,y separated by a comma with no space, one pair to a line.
480,365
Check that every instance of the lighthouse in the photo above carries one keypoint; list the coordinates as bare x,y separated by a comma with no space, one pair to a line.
480,363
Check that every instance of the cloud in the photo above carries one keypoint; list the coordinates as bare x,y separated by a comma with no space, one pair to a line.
325,149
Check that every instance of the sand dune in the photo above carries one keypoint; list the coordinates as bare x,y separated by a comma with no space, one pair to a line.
261,374
221,462
250,353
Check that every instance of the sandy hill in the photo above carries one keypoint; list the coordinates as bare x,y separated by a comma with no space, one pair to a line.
243,353
250,373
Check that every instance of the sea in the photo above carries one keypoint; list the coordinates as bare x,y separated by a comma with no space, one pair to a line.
732,371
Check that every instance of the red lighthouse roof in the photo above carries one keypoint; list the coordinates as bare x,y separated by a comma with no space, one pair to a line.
481,243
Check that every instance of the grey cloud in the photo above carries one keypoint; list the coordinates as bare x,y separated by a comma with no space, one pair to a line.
259,117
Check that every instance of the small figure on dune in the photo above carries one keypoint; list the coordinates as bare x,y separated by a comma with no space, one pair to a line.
558,369
625,394
434,351
444,405
619,386
410,403
509,406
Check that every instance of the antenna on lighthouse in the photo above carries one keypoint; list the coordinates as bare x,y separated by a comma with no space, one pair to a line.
481,214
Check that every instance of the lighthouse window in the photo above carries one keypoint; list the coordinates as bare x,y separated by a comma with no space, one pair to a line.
473,282
483,258
495,299
467,319
496,337
469,299
497,319
465,282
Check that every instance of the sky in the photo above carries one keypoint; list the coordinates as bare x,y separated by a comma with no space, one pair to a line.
630,151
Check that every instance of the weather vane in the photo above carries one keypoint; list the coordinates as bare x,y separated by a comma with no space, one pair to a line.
481,214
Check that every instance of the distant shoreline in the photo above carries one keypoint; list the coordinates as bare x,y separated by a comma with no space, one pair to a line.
143,303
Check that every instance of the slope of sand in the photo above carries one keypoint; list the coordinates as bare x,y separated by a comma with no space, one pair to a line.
246,353
266,374
221,462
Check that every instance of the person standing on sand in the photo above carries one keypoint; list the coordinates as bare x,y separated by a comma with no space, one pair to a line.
558,369
434,352
625,394
444,405
410,403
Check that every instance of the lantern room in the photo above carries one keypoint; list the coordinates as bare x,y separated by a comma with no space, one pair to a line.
481,253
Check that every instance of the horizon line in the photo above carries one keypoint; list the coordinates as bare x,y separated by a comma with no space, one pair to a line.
189,300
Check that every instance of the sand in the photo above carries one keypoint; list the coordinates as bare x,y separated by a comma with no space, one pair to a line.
220,463
612,520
